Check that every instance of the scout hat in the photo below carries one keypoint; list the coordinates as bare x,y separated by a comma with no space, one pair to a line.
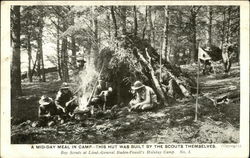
208,49
45,100
81,59
65,85
137,85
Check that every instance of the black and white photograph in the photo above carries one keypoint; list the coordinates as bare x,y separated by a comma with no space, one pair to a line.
125,74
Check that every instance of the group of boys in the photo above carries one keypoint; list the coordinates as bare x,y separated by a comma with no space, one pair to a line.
62,108
65,103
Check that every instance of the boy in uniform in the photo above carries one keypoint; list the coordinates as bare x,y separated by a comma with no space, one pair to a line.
65,101
145,98
102,95
47,110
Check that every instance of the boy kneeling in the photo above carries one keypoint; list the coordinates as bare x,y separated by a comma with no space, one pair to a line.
146,98
47,111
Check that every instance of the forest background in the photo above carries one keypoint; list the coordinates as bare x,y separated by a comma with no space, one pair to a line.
53,36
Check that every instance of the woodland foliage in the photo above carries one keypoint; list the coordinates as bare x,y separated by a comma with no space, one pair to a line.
112,33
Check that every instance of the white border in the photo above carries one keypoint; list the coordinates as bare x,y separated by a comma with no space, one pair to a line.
12,151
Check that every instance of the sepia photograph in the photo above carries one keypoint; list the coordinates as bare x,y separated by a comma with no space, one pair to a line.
125,74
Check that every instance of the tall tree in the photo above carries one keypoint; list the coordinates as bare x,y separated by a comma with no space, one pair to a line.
223,28
193,15
109,27
64,56
210,20
73,41
28,35
40,43
151,26
165,39
29,57
95,29
123,19
59,69
73,51
26,30
145,23
123,16
16,63
135,21
62,15
228,24
114,21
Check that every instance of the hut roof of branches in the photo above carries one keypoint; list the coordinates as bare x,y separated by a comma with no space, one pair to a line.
120,58
121,61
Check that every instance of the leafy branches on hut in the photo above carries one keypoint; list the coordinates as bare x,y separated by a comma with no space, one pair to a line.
132,59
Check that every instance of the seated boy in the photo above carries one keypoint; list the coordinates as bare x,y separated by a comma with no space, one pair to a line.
146,98
47,110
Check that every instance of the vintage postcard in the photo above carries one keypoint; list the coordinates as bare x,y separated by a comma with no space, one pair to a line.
124,79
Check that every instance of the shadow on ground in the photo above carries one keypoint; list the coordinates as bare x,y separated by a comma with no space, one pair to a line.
171,124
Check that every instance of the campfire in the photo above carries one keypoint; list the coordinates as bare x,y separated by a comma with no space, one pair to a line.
87,79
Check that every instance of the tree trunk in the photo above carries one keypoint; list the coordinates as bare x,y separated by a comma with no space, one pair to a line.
178,39
40,25
41,52
64,60
193,35
114,21
109,28
38,61
29,74
229,25
58,50
34,66
73,58
123,19
73,47
96,34
16,63
151,27
29,58
165,39
64,56
135,21
210,12
95,43
145,24
153,31
40,64
223,28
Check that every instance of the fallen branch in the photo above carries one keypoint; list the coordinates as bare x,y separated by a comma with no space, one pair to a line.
155,81
180,83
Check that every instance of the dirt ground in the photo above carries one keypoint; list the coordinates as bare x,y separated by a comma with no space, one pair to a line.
217,123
